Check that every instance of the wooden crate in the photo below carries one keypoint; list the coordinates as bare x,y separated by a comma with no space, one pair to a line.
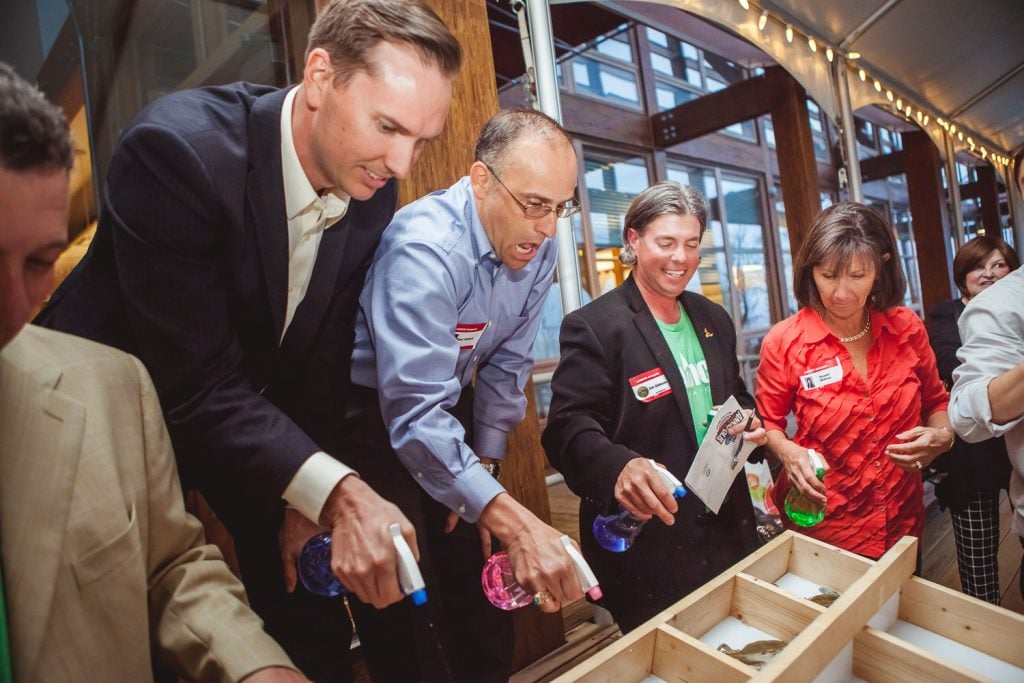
885,626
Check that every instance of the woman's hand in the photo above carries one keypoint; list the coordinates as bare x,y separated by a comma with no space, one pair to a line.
921,445
644,493
756,434
800,472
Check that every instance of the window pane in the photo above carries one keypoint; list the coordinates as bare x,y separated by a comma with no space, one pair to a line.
605,81
746,244
713,273
657,37
670,96
617,47
611,183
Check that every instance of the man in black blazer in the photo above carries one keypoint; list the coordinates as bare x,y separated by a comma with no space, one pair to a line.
236,228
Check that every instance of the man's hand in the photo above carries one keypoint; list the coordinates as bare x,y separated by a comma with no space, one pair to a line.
275,674
539,560
363,555
644,493
295,531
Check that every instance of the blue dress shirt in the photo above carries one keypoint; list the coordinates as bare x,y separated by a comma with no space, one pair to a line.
434,270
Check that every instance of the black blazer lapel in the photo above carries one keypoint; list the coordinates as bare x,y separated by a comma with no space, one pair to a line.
655,340
265,194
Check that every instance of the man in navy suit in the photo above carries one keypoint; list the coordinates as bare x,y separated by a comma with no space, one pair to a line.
236,228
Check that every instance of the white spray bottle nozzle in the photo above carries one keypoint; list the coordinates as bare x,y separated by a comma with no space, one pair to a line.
817,463
678,490
409,577
583,571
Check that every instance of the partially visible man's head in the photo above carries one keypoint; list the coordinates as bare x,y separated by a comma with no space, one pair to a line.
36,155
377,86
524,179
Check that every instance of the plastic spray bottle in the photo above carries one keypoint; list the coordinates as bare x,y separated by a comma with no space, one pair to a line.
801,509
616,533
314,566
502,589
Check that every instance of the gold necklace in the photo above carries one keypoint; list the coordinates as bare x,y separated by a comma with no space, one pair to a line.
867,328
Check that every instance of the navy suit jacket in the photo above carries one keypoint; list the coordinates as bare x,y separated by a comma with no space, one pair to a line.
188,270
596,425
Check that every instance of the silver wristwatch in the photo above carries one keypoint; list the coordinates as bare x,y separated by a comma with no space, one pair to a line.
493,468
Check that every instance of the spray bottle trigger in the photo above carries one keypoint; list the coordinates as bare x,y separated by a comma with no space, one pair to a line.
409,577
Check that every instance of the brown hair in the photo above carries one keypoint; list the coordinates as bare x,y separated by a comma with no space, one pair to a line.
837,235
974,252
666,197
349,29
33,133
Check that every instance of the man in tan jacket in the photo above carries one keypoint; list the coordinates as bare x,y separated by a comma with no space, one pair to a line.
103,571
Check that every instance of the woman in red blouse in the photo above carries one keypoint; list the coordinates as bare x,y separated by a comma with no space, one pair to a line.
858,373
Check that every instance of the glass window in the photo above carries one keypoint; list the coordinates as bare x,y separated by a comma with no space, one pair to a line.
865,133
605,81
713,273
656,37
617,47
670,96
611,181
746,243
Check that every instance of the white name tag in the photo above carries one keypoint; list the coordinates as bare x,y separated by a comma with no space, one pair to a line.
823,376
650,385
468,334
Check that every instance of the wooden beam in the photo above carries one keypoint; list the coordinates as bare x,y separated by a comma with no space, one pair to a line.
929,218
794,148
988,193
739,102
883,166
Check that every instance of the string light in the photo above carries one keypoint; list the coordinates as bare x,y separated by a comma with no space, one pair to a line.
901,107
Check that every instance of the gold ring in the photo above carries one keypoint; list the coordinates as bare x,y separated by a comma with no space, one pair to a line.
542,597
918,463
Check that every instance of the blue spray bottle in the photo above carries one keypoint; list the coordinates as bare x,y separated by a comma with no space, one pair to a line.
314,566
616,533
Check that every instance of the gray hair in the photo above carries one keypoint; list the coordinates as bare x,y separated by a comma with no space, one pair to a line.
507,127
349,29
33,133
666,197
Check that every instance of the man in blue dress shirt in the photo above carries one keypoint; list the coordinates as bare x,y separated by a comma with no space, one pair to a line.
455,289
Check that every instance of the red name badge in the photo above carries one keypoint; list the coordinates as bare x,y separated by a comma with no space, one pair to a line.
651,385
468,334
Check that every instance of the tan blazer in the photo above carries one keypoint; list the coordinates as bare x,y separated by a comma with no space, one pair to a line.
100,560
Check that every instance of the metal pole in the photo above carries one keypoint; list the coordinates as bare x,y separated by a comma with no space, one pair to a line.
953,192
539,22
855,187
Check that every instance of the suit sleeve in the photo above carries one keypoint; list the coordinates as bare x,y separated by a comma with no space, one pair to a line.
200,623
576,439
172,253
945,340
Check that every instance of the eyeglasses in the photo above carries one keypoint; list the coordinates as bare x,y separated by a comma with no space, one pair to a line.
565,210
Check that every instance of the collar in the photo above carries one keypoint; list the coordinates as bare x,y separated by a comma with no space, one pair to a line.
483,250
816,330
299,194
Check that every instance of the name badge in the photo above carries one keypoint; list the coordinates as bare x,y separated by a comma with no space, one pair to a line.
468,334
823,376
650,385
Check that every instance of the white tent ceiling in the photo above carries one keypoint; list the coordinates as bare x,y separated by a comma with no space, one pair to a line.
958,60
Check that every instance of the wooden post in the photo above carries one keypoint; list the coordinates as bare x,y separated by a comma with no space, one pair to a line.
988,193
929,218
794,147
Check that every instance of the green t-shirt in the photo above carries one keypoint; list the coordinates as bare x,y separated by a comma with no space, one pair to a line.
682,341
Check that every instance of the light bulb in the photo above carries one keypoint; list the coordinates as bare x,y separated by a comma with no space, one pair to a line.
899,103
889,95
829,55
763,21
878,86
863,74
789,33
853,55
811,44
744,4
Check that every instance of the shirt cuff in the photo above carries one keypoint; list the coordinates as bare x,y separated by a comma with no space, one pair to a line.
471,492
489,442
313,482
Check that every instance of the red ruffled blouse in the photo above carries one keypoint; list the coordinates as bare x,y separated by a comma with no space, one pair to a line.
872,503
